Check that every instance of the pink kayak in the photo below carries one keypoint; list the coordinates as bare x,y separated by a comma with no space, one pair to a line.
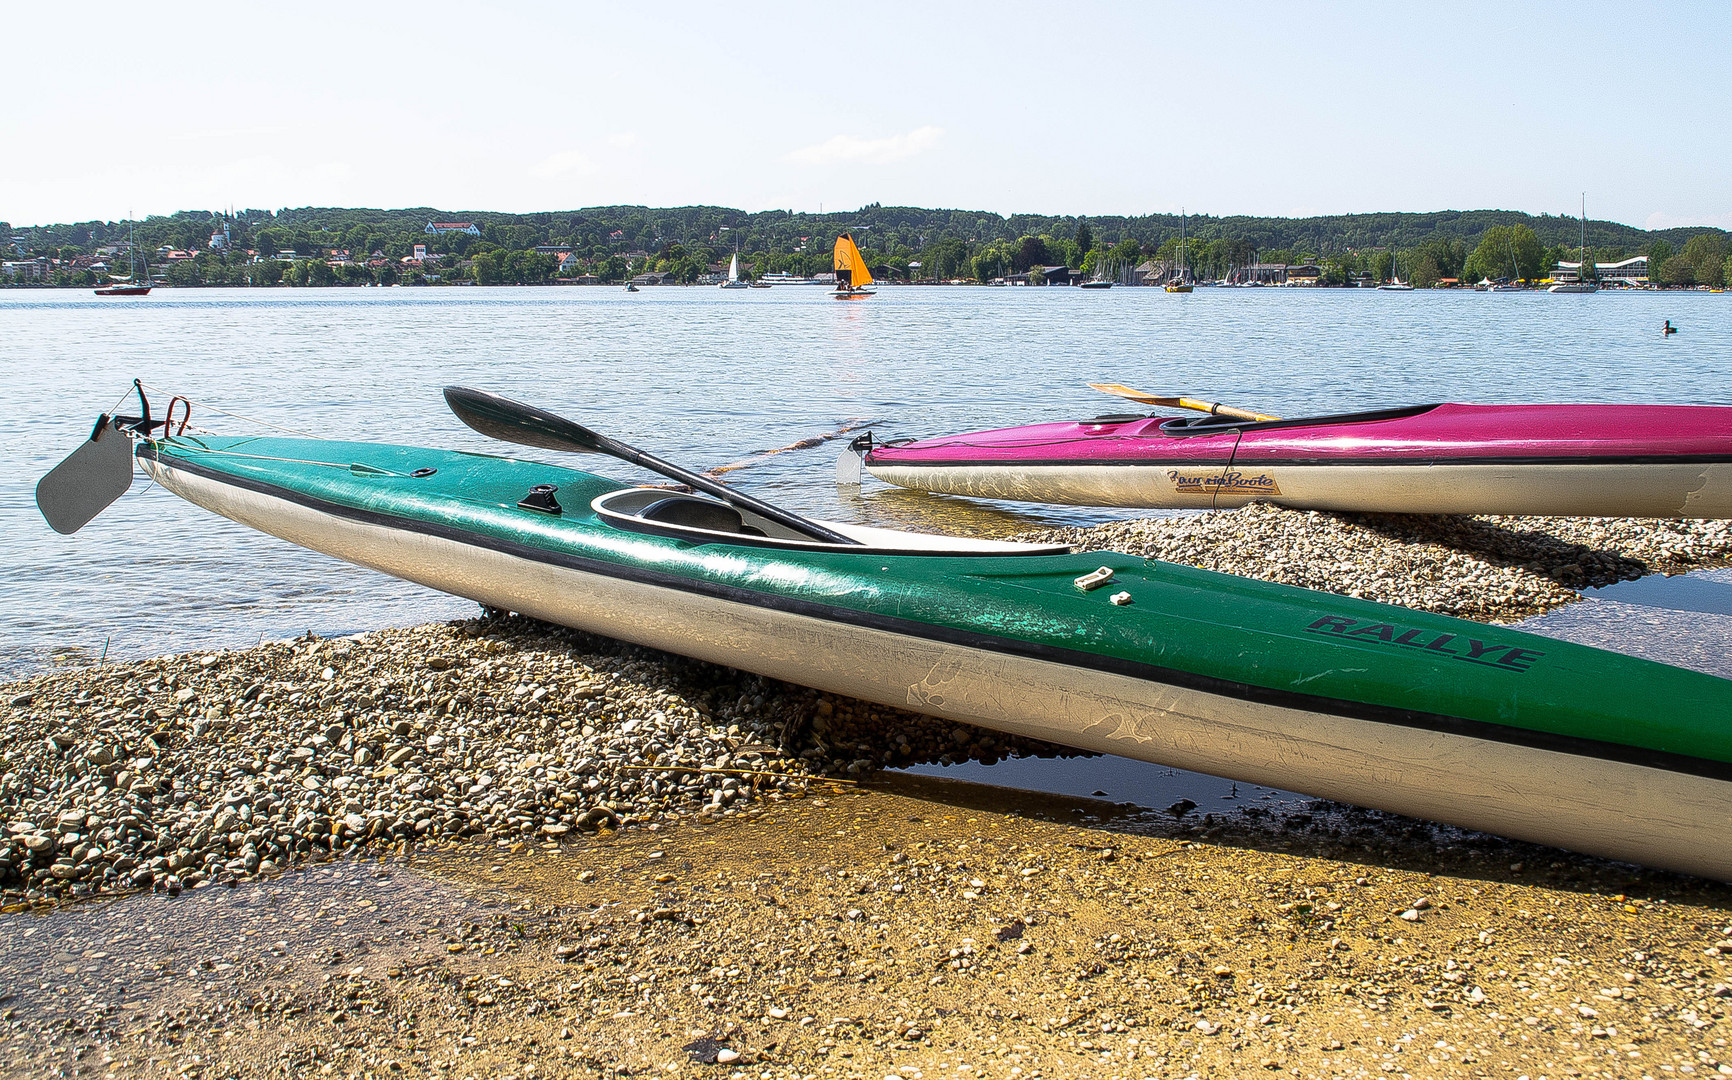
1576,460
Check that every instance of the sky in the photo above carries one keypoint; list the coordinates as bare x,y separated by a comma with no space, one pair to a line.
117,110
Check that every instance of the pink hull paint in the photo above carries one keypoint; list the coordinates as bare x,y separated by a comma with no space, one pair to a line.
1467,432
1613,460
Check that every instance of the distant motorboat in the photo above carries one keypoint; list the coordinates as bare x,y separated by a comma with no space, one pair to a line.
781,278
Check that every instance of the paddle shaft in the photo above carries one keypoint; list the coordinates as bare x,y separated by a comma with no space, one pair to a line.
512,421
1214,408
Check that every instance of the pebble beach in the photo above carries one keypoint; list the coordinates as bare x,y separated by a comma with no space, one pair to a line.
495,761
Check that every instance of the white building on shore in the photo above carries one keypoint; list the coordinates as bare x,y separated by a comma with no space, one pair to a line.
1631,270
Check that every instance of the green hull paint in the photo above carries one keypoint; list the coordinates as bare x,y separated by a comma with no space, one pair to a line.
1268,639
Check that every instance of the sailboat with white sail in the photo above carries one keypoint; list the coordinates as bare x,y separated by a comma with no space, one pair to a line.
853,278
734,281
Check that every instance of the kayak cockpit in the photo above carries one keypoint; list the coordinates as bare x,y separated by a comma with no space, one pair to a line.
660,512
1181,426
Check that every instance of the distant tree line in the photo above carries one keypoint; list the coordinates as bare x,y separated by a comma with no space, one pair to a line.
328,246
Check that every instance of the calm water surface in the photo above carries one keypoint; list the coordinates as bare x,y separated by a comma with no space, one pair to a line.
704,377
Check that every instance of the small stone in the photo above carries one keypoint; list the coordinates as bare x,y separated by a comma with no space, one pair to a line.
21,700
727,1055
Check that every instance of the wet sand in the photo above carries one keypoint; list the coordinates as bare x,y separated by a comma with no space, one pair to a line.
921,930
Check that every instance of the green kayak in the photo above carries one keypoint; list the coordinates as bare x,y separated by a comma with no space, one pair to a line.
1475,725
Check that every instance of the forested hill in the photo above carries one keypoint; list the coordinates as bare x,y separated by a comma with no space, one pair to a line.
646,228
329,245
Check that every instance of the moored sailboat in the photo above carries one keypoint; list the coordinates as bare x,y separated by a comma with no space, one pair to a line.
1581,284
131,286
734,281
1181,282
1394,284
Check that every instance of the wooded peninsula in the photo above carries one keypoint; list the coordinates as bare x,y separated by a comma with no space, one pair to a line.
422,245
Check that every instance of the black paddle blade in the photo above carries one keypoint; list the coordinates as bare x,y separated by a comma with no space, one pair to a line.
499,417
512,421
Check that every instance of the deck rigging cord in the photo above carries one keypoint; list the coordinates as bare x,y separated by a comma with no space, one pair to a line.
226,412
803,444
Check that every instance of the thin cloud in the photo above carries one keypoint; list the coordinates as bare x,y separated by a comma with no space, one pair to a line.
1663,220
565,163
843,149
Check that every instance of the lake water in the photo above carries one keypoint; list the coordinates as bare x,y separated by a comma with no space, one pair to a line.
704,377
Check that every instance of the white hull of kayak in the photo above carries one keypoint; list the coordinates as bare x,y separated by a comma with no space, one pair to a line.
1665,819
1589,490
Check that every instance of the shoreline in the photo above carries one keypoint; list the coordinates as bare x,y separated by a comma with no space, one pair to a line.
477,847
472,847
175,771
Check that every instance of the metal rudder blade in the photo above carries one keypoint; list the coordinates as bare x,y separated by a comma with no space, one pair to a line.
91,477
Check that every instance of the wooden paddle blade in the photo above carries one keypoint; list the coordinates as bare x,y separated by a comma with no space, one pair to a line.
91,478
1214,408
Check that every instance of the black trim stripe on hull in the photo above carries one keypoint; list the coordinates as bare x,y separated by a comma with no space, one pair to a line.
1209,684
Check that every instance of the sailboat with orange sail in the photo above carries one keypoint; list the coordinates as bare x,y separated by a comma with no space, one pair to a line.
852,277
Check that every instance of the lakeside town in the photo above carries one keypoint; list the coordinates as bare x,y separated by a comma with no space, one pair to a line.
1484,250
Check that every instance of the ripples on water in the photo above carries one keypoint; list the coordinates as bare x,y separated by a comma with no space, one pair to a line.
704,377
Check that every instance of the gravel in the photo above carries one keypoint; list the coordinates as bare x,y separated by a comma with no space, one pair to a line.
1491,568
183,771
